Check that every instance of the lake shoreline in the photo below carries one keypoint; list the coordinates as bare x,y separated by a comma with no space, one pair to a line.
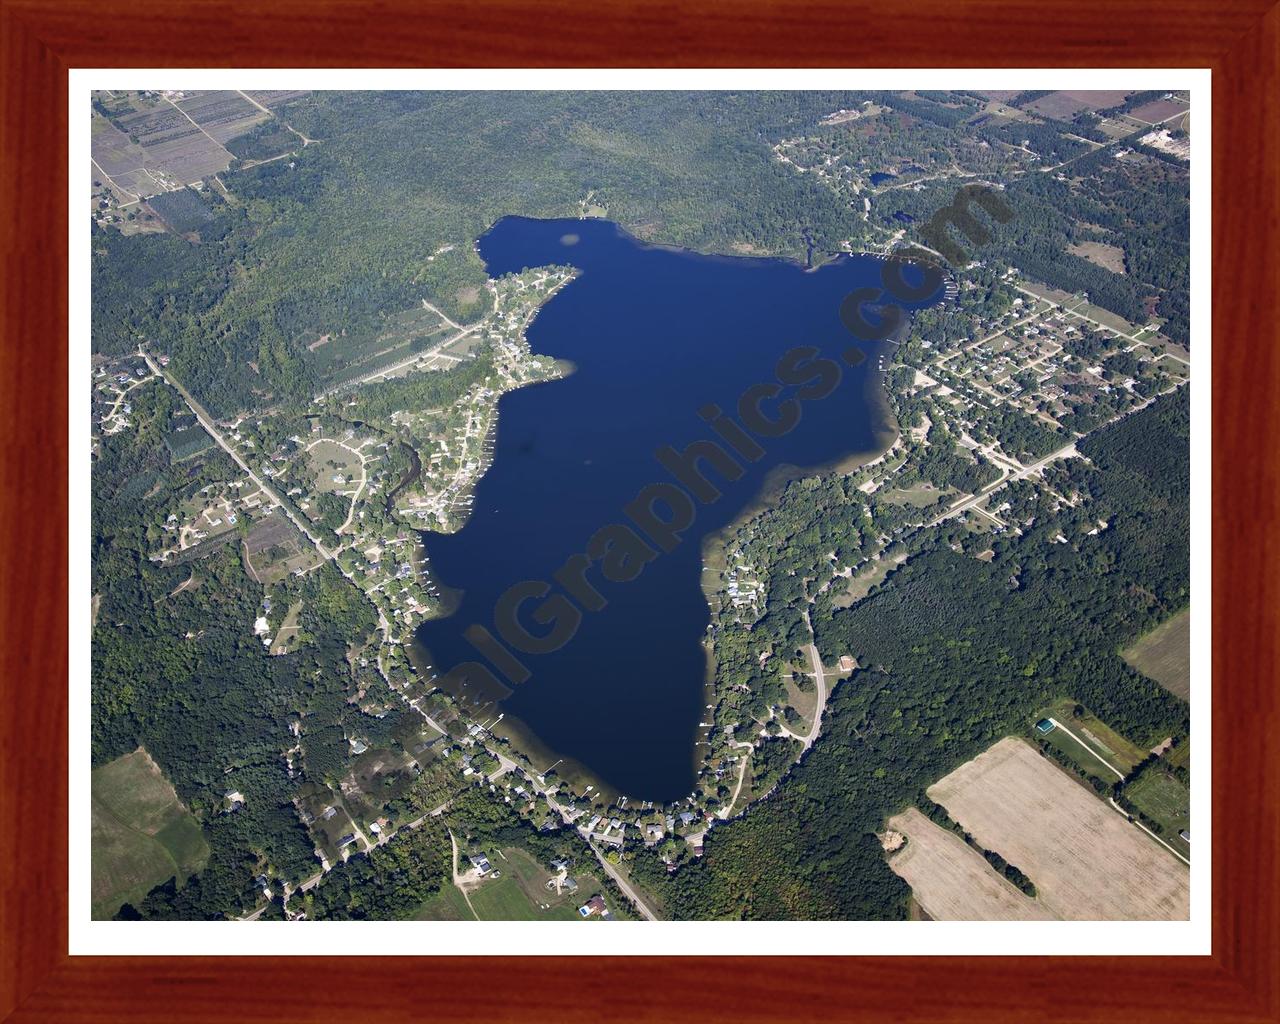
662,339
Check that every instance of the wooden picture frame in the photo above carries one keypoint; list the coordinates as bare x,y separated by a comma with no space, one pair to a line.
42,39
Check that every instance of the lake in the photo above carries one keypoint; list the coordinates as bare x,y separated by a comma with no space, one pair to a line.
656,336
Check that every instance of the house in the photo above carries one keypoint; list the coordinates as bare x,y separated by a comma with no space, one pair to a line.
595,905
481,863
346,840
1045,725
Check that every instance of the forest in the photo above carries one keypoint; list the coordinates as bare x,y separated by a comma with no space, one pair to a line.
341,235
181,672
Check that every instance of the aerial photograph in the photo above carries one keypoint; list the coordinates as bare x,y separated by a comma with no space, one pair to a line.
639,506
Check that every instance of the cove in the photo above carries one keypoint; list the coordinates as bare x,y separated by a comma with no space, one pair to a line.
656,336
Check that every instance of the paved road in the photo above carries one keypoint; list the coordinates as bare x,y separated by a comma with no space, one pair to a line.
1062,453
622,882
206,421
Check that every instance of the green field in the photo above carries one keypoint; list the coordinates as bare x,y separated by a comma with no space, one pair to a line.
447,905
1165,800
141,834
860,585
920,495
1078,753
1098,737
1164,654
519,893
328,459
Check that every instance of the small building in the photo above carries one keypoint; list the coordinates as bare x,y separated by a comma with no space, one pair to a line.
595,905
1045,725
1185,835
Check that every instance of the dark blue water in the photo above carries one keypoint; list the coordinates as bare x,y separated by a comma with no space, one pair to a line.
880,177
656,335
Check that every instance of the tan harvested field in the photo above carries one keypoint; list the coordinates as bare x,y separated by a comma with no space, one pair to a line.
1157,111
1087,861
950,880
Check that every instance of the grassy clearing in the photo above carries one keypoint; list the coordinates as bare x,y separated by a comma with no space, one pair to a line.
1078,753
1109,257
860,585
336,468
920,495
141,834
447,905
1164,800
287,635
1121,752
521,894
1164,654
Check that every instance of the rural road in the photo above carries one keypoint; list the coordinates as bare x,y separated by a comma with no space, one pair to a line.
821,680
622,882
206,421
742,775
1062,453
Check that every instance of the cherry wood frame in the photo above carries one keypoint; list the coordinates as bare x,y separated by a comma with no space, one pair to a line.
41,39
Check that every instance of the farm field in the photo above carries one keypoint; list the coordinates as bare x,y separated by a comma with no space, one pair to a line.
1164,654
221,114
950,880
141,834
1087,861
1062,106
1157,111
276,98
